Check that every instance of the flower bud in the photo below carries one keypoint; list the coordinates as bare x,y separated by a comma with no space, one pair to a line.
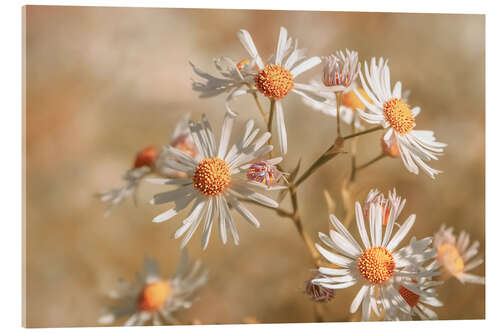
146,157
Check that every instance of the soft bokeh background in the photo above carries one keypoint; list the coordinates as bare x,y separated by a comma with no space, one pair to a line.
102,83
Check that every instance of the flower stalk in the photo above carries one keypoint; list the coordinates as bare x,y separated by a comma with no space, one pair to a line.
338,98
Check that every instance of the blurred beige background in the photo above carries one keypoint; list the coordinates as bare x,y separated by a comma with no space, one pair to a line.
102,83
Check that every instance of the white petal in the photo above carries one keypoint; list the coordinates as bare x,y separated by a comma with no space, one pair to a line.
209,134
243,211
181,156
195,222
280,125
207,227
432,301
336,279
473,264
339,285
305,66
361,226
280,50
359,297
230,221
401,233
334,258
225,135
249,45
415,111
222,220
180,204
396,92
340,228
470,278
132,320
200,144
170,181
333,271
430,315
390,225
365,310
371,222
344,246
173,195
106,319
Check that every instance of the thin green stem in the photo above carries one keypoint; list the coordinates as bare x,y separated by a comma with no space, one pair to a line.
318,313
373,129
272,107
334,150
370,162
330,153
354,149
338,98
259,106
300,228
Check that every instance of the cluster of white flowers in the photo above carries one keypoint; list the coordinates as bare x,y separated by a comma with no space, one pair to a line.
215,178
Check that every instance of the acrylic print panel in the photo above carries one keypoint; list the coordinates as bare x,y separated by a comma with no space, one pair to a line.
150,130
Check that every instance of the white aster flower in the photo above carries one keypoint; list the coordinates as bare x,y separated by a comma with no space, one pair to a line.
389,109
153,298
216,178
377,264
277,78
416,304
348,108
341,70
454,256
150,161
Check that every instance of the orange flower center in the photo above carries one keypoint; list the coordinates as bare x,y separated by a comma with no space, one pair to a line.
376,264
449,257
146,157
410,297
274,81
183,143
351,100
211,176
399,115
154,295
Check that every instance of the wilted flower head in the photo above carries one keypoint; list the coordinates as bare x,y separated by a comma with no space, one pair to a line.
153,298
146,157
318,293
340,70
